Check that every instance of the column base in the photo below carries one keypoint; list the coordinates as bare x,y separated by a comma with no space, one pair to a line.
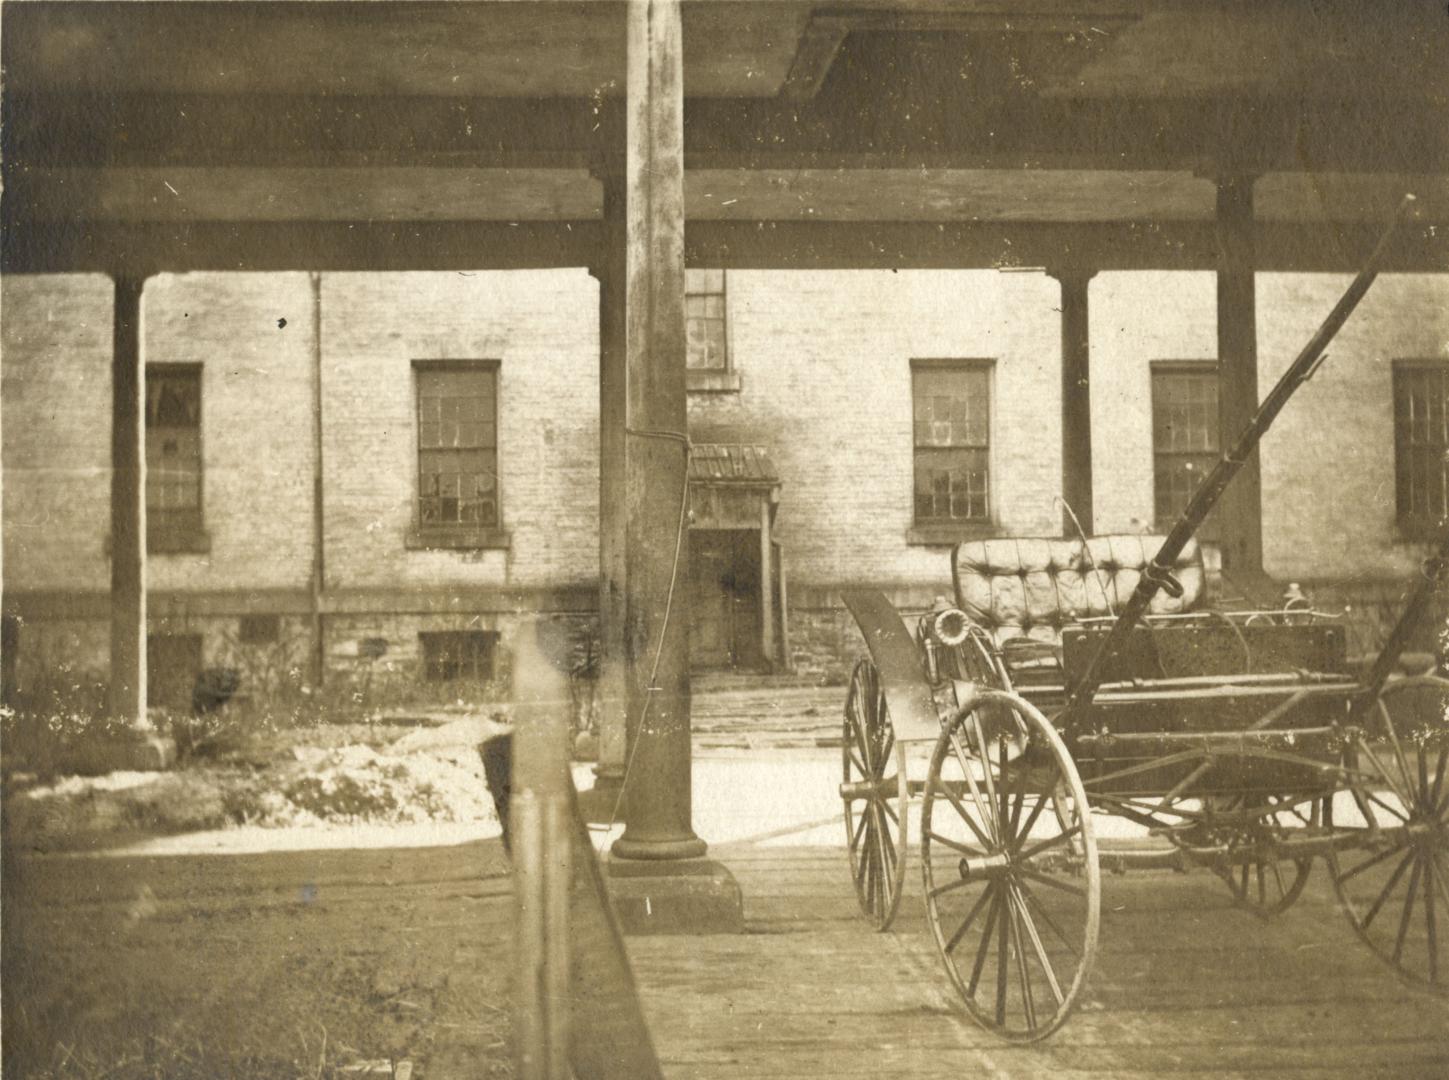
682,896
138,751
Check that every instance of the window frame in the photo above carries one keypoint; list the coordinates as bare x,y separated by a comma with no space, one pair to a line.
1409,525
946,531
492,642
190,537
1208,531
456,535
724,379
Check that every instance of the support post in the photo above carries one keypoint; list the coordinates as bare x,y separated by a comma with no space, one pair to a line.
127,694
612,273
658,817
767,587
1076,397
1240,513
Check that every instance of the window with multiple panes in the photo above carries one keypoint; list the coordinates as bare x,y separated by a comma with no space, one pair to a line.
1185,438
1421,444
952,424
450,655
173,454
706,339
457,446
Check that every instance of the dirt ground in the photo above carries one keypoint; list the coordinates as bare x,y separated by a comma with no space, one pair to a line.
298,964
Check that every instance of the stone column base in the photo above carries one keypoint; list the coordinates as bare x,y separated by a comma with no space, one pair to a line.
675,896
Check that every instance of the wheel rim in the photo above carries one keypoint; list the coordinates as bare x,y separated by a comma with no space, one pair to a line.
1257,879
875,832
1391,873
1013,891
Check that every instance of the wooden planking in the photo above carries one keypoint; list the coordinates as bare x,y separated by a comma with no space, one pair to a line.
1184,983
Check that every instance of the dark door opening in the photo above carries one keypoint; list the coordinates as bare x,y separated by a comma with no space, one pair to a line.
173,661
725,600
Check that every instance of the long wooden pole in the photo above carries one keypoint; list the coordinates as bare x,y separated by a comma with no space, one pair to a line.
127,693
1158,573
657,772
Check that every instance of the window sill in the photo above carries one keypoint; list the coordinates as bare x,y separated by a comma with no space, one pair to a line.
948,534
459,539
712,382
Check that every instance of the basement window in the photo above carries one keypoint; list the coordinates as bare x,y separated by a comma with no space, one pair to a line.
457,655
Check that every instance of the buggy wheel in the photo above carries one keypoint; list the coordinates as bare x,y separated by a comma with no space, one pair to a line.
1013,891
1258,880
1390,867
875,830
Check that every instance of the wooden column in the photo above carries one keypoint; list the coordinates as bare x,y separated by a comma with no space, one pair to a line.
611,271
767,587
1076,397
658,823
127,699
1240,513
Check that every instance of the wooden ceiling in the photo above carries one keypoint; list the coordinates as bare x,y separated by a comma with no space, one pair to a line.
144,118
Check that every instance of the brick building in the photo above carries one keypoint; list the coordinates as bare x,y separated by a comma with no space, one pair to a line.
431,469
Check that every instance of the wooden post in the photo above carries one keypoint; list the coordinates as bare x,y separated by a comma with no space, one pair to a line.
1240,514
1076,398
611,271
319,532
767,598
541,820
658,823
127,695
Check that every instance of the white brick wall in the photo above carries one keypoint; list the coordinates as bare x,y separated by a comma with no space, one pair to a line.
55,393
825,362
1328,462
542,326
253,336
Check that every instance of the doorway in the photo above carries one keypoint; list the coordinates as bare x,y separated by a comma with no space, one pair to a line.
725,600
173,662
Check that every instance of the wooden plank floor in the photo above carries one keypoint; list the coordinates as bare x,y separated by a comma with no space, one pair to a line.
1184,983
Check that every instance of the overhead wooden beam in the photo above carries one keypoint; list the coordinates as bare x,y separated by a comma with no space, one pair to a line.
68,247
818,47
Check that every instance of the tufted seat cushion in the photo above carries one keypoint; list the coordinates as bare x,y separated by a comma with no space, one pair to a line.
1033,587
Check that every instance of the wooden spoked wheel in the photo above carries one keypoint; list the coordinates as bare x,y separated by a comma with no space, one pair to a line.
1258,880
1013,890
1392,879
875,829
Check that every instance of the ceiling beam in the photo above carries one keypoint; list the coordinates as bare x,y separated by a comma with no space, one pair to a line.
464,246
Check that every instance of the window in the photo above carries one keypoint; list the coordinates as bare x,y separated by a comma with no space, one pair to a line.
706,333
458,453
450,655
173,458
1184,435
1421,444
704,320
952,413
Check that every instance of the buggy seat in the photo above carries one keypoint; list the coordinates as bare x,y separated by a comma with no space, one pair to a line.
1030,588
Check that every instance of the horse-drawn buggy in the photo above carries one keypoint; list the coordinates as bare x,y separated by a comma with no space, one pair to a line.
1089,684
